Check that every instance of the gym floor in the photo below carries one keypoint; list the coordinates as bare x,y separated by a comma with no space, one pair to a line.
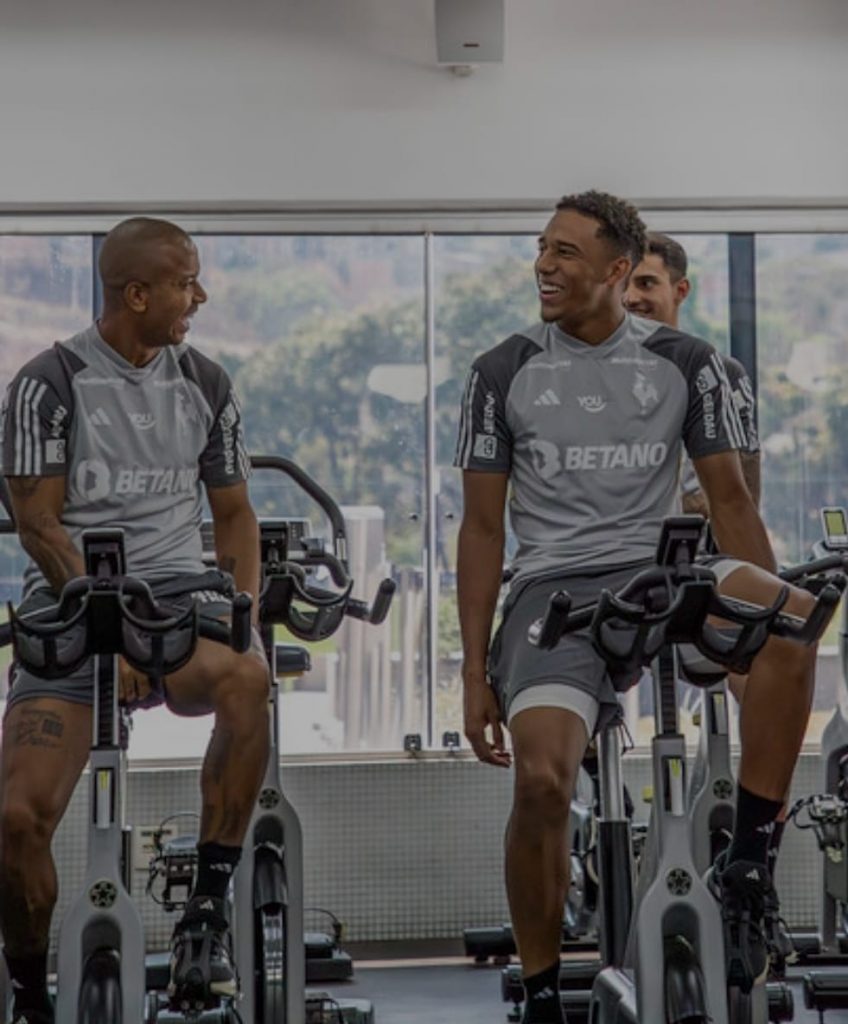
454,991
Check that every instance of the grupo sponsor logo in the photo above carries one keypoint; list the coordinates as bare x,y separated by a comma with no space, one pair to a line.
229,418
59,416
489,413
709,415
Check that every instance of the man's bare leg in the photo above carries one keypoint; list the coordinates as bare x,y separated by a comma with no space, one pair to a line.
548,745
235,688
775,711
45,748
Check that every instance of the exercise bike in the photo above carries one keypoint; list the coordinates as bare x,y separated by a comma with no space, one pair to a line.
663,949
268,905
100,964
825,814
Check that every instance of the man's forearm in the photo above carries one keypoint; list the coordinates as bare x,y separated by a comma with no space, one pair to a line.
479,572
750,462
49,545
739,532
237,551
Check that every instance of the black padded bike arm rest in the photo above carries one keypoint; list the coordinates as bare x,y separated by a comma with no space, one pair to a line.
291,659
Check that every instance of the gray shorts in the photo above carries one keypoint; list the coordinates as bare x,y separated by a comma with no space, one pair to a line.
572,675
207,590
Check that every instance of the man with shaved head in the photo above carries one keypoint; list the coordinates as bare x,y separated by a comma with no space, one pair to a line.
119,426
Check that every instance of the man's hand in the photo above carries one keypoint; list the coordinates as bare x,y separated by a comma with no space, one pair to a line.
133,686
481,711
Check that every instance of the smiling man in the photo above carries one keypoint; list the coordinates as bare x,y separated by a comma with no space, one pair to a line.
119,426
657,289
579,422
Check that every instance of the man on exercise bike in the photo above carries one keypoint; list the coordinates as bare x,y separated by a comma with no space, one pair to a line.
118,426
657,289
580,419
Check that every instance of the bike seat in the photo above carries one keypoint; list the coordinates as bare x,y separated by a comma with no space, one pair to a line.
697,668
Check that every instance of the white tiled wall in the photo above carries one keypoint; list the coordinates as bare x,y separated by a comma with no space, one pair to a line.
402,850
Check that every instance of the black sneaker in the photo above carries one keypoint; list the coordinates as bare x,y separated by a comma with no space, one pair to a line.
781,949
742,888
202,970
33,1017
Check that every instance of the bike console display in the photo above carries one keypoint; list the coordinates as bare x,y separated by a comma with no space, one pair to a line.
835,527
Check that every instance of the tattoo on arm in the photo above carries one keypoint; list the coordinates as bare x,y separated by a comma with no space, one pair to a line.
227,564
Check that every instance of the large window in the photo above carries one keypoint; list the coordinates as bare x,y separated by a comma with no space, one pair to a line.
45,294
484,291
326,337
802,370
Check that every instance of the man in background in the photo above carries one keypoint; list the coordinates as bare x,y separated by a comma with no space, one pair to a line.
657,289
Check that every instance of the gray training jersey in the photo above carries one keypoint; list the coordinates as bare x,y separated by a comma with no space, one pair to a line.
133,442
591,437
743,399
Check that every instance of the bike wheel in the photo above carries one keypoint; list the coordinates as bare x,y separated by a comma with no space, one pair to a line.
100,993
270,965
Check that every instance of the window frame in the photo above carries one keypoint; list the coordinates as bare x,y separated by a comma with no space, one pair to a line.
741,221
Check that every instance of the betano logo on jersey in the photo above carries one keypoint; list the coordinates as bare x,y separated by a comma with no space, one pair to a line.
94,480
549,460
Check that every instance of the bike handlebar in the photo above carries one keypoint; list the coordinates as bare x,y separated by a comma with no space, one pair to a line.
671,604
118,615
312,612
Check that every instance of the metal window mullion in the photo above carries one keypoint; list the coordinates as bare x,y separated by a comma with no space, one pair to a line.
741,251
430,484
96,283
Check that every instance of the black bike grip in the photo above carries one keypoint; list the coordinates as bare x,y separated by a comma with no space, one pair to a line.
240,628
555,620
382,602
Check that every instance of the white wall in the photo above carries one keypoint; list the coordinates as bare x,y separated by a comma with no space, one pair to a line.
104,101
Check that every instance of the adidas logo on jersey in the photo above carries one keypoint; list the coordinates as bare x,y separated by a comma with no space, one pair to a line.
99,418
548,397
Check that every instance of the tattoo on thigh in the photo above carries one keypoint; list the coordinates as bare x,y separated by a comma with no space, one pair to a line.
39,729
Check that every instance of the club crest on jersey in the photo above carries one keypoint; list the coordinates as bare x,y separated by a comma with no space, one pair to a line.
592,403
645,391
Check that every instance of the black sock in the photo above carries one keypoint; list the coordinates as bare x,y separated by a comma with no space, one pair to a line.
752,827
29,980
774,846
215,867
542,1005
